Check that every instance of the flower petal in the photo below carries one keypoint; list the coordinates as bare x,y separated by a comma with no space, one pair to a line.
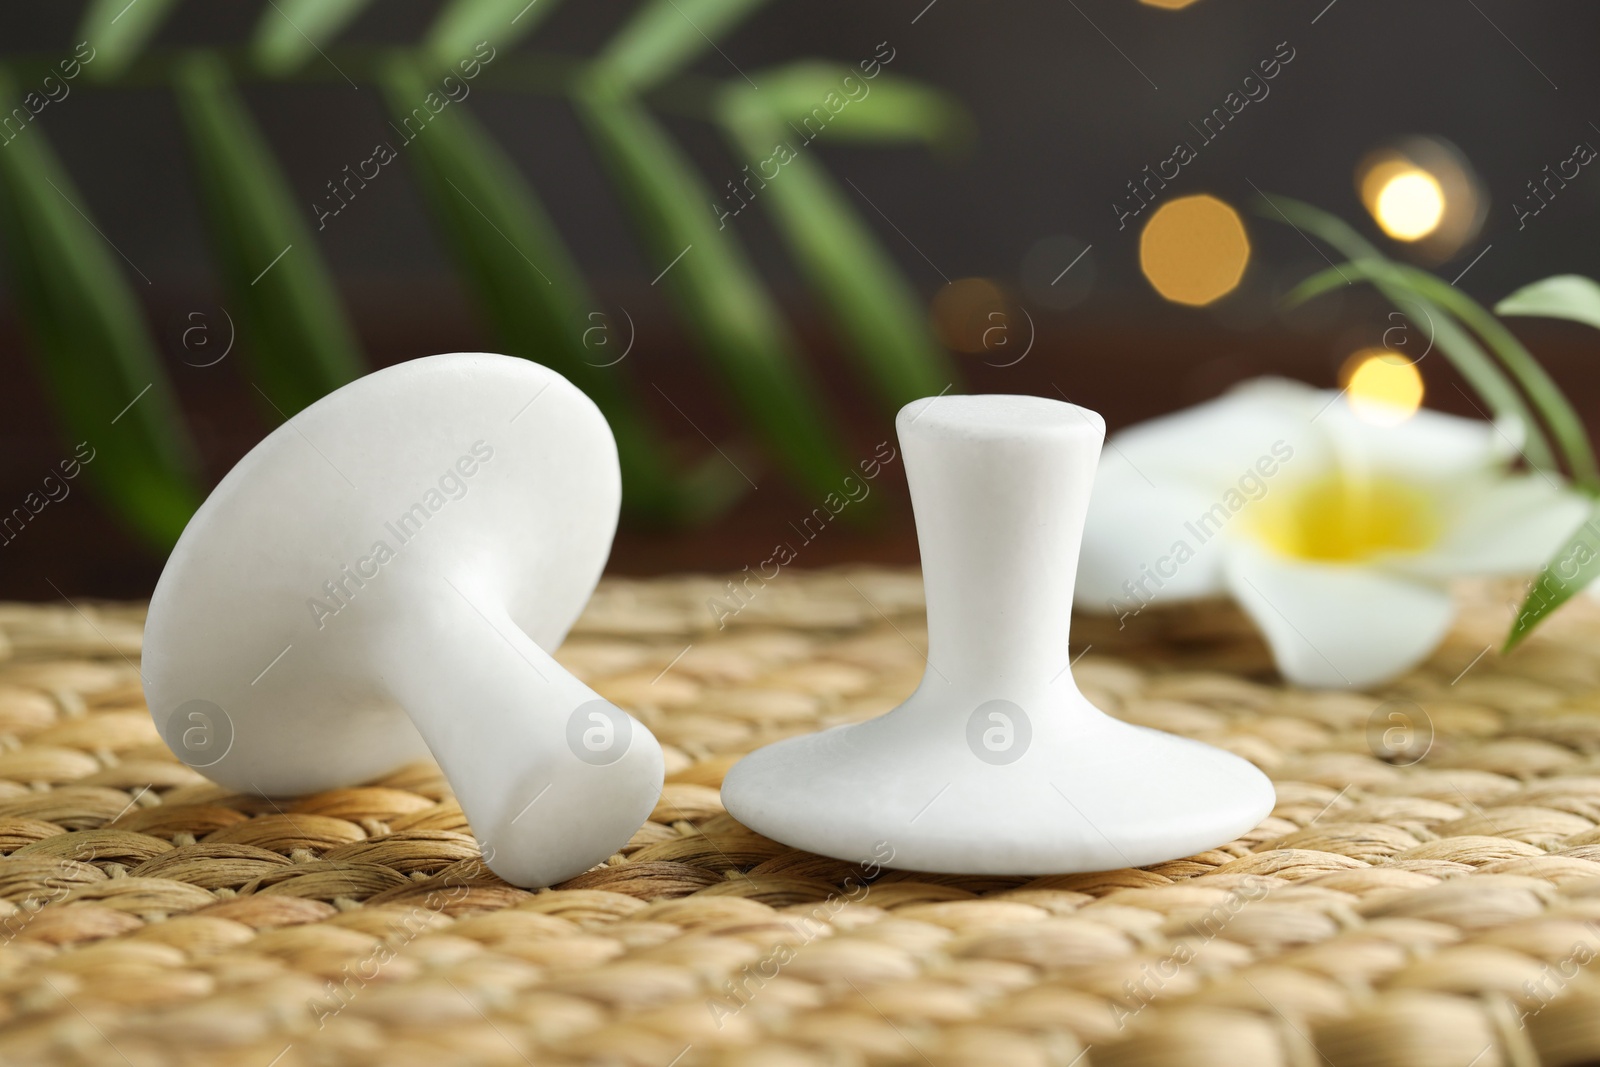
1429,448
1167,492
1137,547
1333,626
1513,526
1255,427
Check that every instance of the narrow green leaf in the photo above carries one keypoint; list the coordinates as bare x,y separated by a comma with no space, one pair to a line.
1324,281
464,24
731,315
118,30
1563,296
89,339
1546,396
1573,568
299,343
881,319
1331,228
815,97
290,32
1478,369
663,37
1468,357
534,295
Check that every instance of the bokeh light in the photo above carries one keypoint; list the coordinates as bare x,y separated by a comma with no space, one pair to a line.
972,315
1422,191
1381,386
1408,202
1194,250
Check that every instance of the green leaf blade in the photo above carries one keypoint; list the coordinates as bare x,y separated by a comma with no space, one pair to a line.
1457,344
536,299
663,37
290,32
1563,296
118,30
92,347
873,308
465,24
1324,281
817,97
297,338
1573,568
1565,425
730,313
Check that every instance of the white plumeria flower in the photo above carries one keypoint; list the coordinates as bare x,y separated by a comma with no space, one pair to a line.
1336,535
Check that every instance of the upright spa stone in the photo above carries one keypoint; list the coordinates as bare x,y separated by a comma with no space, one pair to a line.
997,764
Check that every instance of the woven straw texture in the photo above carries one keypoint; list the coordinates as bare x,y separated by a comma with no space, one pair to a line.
1444,912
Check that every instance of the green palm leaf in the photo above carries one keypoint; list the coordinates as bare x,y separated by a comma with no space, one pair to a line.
118,30
1535,381
1458,345
706,269
875,310
464,24
1543,393
93,349
290,32
663,37
1575,567
297,338
535,296
813,97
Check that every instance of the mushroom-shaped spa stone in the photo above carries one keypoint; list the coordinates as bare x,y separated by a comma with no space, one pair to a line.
997,764
384,577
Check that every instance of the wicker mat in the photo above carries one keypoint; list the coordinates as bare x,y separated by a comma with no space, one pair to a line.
1393,910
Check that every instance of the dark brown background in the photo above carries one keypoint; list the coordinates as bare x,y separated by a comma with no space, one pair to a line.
1065,118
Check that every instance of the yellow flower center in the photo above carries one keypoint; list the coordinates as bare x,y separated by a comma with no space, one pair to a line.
1342,518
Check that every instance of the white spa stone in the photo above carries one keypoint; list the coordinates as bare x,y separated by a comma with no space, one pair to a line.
383,577
997,764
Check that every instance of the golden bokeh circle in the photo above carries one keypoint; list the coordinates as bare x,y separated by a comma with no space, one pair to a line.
1422,191
1194,250
971,315
1407,202
1381,386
